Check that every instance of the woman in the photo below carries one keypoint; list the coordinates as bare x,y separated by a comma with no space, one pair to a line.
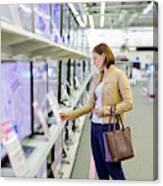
110,90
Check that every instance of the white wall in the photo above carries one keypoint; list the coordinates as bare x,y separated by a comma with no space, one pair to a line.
134,37
116,37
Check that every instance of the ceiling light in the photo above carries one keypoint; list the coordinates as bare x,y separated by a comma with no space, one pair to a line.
103,8
102,21
148,8
91,21
78,17
102,14
73,9
81,23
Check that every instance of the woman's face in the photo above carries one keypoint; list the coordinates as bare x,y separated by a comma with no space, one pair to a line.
98,60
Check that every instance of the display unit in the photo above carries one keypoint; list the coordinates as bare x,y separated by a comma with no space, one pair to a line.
9,14
16,88
42,19
79,70
63,77
80,33
25,16
53,77
136,64
40,89
71,29
84,69
65,23
56,21
76,28
72,73
70,76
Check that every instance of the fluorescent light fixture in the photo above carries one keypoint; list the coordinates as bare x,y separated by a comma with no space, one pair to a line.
73,9
91,21
102,14
132,48
102,21
103,7
81,23
25,8
78,17
148,8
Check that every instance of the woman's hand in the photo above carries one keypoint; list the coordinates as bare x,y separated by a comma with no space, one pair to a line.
98,112
64,116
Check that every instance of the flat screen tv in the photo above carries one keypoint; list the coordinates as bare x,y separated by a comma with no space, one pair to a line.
40,89
53,79
16,97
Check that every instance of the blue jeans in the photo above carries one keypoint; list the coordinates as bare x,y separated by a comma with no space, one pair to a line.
104,169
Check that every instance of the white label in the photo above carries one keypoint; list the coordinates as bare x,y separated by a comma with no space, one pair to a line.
42,119
15,151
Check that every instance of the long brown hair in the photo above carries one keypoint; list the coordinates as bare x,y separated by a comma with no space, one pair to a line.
103,48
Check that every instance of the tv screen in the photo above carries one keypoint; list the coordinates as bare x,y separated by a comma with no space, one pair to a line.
40,89
79,70
63,72
56,15
72,74
65,24
56,21
53,79
16,96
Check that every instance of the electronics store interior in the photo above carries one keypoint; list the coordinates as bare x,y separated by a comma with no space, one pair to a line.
47,67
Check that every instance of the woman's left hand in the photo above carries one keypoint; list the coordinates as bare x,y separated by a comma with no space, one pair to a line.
98,112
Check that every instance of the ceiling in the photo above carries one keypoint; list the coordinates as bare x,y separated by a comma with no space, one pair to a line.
120,14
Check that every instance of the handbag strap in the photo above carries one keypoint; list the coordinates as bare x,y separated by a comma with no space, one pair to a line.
117,116
111,115
120,119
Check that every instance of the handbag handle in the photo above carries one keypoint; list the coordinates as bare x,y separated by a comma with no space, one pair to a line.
112,109
118,117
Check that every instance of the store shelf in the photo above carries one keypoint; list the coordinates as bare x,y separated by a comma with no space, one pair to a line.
16,40
41,145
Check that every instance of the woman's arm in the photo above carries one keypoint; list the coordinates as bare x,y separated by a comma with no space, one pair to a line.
126,93
71,115
81,111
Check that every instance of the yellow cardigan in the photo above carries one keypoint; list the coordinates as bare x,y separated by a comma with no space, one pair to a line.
116,91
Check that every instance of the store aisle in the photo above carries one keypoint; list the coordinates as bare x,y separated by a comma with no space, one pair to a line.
141,123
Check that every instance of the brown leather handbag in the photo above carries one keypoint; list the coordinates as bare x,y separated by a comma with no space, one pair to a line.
118,145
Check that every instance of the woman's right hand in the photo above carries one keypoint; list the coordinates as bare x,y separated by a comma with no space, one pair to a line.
64,116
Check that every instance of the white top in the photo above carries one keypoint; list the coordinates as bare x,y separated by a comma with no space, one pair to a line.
98,104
